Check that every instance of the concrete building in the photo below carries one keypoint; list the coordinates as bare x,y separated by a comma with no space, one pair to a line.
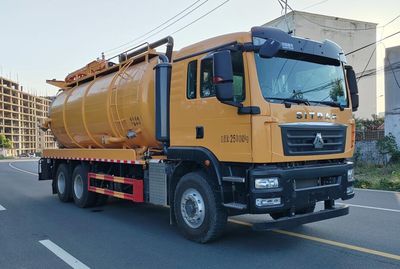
350,35
392,92
20,115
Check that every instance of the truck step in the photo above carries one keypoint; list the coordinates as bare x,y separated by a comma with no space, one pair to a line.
234,179
235,205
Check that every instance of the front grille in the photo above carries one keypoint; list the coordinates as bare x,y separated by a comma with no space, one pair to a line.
300,138
316,182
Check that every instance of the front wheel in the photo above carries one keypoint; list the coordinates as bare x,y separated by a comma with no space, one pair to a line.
199,213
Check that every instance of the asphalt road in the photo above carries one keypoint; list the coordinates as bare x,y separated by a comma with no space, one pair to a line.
38,231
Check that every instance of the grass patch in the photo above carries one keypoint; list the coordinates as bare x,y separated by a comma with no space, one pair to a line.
6,158
378,177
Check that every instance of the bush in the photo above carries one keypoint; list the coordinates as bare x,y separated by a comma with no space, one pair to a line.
388,145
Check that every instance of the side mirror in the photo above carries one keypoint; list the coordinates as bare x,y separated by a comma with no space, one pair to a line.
270,48
223,75
352,82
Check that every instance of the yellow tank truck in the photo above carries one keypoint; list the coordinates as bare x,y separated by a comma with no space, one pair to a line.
257,122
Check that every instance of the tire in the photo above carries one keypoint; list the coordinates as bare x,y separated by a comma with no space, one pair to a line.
63,183
82,197
198,208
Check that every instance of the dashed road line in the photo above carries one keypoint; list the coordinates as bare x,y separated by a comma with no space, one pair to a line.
21,170
372,207
328,242
63,255
2,208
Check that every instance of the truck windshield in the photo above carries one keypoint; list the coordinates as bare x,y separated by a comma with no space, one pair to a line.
303,81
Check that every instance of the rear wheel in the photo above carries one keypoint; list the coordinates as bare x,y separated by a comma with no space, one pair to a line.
82,196
199,213
63,183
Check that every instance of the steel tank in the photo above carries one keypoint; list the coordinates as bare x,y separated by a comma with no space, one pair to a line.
112,111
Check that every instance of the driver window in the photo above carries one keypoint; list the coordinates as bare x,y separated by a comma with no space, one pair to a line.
207,88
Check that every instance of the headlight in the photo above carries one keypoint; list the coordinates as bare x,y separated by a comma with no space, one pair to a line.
350,190
268,202
266,183
350,175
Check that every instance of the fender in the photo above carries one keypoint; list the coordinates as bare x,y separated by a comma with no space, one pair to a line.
199,155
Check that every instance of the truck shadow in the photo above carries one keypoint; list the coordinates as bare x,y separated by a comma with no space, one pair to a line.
155,220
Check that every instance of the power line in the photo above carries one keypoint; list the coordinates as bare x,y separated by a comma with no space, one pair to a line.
182,28
329,27
199,18
373,52
391,68
373,43
315,4
162,24
398,16
337,28
373,71
172,23
365,68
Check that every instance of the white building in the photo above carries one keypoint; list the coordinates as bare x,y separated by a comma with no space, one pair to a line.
392,92
349,35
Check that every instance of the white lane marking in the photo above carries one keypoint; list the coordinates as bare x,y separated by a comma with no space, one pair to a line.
63,255
2,208
21,170
372,207
371,190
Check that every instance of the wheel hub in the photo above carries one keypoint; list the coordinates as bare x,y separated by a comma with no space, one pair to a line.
61,183
78,187
192,208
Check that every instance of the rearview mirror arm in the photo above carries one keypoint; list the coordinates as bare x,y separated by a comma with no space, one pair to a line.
244,110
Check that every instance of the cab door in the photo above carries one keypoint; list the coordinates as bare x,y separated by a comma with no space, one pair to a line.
198,119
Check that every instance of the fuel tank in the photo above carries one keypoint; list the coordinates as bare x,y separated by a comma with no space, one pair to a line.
112,111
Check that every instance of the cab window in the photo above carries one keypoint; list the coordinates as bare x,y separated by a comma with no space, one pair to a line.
191,80
207,88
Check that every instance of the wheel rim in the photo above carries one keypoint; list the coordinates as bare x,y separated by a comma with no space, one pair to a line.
61,183
78,186
192,208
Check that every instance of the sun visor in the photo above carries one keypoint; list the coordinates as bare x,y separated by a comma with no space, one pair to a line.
289,43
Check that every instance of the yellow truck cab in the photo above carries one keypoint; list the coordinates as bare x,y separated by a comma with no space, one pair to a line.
257,122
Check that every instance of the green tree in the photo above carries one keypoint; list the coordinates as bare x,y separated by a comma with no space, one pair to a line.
5,143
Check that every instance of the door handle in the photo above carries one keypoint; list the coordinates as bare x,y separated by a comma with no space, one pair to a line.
199,132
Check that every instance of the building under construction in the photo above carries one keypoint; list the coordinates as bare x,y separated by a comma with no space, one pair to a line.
20,115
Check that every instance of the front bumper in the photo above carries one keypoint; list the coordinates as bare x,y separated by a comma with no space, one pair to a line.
297,220
300,187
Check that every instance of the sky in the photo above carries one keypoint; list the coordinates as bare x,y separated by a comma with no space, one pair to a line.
46,39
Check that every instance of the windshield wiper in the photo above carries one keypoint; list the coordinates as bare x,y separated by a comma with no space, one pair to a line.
330,103
291,100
